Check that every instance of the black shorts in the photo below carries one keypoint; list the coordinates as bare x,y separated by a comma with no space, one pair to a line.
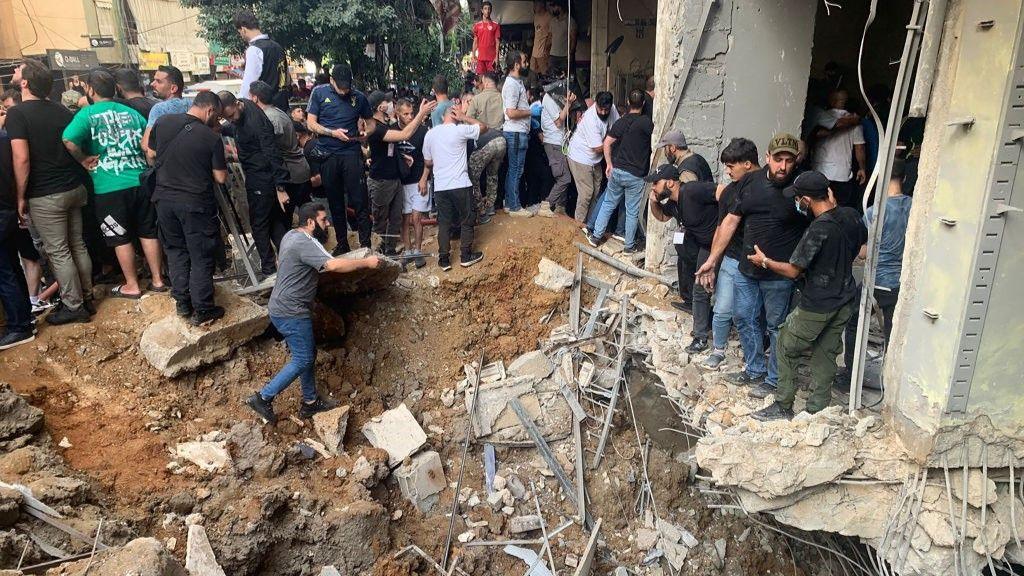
26,248
125,215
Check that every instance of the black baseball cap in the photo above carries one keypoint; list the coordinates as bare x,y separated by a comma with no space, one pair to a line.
664,172
342,76
811,184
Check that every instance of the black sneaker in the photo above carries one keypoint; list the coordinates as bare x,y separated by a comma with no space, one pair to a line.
631,250
207,317
391,252
12,339
484,219
90,307
264,408
744,379
468,260
340,249
762,390
697,346
593,240
183,308
773,412
64,315
444,262
319,405
684,306
420,261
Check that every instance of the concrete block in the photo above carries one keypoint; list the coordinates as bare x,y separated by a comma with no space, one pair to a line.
704,86
359,281
173,346
521,524
331,427
199,557
534,364
329,571
421,479
210,456
17,417
397,432
553,277
712,44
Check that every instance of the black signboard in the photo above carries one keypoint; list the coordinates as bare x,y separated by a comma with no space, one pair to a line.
101,42
72,60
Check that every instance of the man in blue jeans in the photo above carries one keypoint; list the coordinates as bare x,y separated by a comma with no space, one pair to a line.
627,151
772,222
739,158
516,128
302,258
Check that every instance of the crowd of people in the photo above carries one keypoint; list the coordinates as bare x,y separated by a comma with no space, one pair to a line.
142,174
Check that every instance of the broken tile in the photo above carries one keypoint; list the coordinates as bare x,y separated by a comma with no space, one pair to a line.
396,432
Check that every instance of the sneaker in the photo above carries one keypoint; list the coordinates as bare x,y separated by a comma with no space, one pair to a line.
545,210
391,252
743,379
521,213
713,361
484,219
183,308
773,412
444,262
697,346
90,307
40,306
630,250
264,408
419,260
61,314
684,306
12,339
207,317
619,237
340,249
593,240
468,260
317,406
762,390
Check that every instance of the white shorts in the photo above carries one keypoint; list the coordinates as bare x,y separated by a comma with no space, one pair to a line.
414,202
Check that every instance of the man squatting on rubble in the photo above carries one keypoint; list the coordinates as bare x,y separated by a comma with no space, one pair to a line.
302,258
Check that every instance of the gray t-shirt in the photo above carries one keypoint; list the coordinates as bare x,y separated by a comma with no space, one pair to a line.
288,143
300,261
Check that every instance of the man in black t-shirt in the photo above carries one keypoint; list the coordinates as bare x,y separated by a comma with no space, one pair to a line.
771,221
190,162
415,186
627,152
824,258
695,206
50,189
130,88
385,181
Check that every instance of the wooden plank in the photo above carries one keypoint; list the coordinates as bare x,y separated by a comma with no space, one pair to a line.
587,560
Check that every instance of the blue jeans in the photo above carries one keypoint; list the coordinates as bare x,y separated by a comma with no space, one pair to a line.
620,224
751,296
516,145
725,296
298,333
13,289
622,184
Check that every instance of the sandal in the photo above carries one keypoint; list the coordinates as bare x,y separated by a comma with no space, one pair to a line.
158,289
116,292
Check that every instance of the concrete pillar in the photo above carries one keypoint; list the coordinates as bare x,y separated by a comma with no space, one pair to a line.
598,42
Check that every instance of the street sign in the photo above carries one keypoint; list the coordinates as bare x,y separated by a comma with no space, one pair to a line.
72,60
101,42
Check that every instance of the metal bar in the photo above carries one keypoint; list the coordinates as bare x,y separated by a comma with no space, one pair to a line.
577,409
543,527
228,213
545,450
587,559
885,157
623,310
581,489
588,330
462,468
622,266
574,297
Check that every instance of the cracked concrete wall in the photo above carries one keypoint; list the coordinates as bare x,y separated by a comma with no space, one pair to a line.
748,78
955,170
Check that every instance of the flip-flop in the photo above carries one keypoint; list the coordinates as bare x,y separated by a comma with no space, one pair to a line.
116,292
158,289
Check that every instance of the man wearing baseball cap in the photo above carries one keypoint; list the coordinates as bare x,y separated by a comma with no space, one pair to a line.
771,221
692,168
824,258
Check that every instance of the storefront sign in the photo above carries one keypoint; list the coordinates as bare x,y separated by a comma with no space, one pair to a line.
73,60
153,60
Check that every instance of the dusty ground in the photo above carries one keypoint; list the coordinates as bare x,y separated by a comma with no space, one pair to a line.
281,513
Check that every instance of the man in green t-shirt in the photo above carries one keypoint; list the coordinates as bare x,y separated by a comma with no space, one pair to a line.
106,137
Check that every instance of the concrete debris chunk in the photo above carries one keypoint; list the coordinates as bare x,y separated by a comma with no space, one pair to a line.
199,557
173,346
816,433
516,487
675,553
210,456
17,417
646,538
552,276
534,364
331,427
421,479
521,524
530,558
397,432
720,545
359,281
978,493
467,536
675,534
142,557
329,571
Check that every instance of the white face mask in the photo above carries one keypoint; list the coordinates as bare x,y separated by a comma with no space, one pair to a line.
800,207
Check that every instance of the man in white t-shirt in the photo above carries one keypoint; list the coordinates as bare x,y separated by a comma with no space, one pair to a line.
444,155
840,138
516,128
586,150
552,123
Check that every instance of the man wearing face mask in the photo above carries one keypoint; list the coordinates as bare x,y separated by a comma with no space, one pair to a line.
772,222
386,166
303,258
191,160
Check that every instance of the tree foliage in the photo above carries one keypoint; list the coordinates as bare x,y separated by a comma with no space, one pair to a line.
405,34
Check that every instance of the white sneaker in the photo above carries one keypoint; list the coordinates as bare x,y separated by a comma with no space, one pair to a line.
40,306
545,210
521,213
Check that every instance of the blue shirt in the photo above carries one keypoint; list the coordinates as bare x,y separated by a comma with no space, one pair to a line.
535,111
333,111
894,233
437,116
164,107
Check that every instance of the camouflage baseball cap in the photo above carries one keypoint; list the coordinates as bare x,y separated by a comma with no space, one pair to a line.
784,142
